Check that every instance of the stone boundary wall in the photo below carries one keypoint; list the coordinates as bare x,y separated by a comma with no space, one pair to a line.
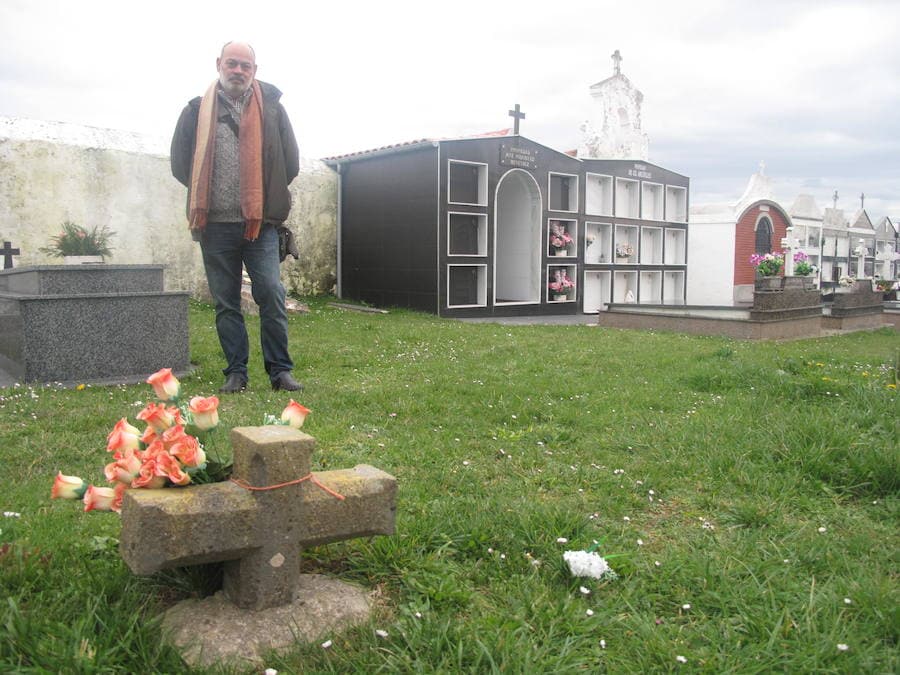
52,172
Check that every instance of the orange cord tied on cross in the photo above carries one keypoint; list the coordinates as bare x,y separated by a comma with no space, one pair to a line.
240,482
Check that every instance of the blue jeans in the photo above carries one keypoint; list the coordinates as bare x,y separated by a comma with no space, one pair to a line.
224,252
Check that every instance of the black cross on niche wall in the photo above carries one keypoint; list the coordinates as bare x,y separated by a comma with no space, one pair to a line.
8,252
517,115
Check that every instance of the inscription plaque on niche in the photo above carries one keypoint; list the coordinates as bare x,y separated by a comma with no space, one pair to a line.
518,157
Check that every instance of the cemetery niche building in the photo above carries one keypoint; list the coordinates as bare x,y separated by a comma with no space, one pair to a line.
500,225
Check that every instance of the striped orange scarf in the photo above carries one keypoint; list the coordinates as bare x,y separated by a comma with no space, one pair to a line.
250,144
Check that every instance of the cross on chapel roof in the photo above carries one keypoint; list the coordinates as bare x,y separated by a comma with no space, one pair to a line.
617,62
517,115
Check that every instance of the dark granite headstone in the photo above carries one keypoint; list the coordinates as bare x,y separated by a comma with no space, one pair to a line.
90,323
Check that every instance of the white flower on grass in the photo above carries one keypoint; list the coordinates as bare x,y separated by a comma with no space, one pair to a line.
327,644
823,530
680,659
657,563
584,564
640,542
562,540
842,647
584,590
381,633
271,671
418,615
686,606
626,519
11,514
602,644
848,601
589,612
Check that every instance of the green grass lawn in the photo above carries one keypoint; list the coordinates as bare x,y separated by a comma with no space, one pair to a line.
749,492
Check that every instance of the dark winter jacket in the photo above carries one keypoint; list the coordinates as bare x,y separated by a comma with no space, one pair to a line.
281,157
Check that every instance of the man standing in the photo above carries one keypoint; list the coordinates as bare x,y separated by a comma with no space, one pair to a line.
235,151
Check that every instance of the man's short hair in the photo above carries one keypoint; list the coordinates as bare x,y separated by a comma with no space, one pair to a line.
252,51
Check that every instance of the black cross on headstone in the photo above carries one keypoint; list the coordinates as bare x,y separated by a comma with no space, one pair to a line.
8,252
516,115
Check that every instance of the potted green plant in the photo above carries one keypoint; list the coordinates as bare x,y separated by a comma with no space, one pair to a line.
886,286
77,245
768,267
803,271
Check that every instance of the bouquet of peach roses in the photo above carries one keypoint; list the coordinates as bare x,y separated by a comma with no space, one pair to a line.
174,449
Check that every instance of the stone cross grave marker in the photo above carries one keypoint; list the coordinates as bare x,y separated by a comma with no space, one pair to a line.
259,534
788,244
8,252
860,253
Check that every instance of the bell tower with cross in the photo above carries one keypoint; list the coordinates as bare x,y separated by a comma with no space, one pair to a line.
613,128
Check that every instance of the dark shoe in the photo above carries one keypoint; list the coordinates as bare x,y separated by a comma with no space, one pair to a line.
286,382
234,382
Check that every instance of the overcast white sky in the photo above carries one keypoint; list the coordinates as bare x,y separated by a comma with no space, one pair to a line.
811,87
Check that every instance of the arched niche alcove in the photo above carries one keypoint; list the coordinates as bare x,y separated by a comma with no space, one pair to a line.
517,246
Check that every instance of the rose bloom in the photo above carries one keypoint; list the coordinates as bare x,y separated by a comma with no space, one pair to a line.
294,414
154,450
159,417
99,498
123,437
125,469
189,452
119,489
165,385
148,436
67,487
172,470
205,412
173,435
149,477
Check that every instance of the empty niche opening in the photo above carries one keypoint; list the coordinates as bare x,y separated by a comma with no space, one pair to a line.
675,240
676,204
466,285
468,183
651,245
673,288
467,234
651,287
628,198
596,291
563,192
598,195
652,201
